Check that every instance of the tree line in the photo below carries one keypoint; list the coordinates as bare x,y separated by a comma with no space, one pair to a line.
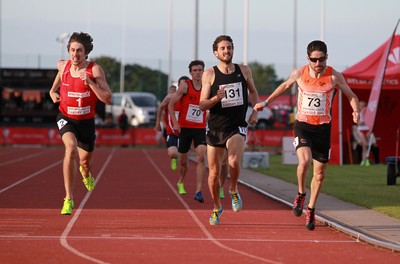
140,78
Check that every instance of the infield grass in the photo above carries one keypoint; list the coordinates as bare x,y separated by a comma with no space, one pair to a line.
360,185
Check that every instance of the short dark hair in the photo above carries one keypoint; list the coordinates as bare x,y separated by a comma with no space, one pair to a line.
84,38
195,63
219,39
317,45
183,78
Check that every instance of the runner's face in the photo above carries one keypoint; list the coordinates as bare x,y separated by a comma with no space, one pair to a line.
224,51
318,66
196,72
77,53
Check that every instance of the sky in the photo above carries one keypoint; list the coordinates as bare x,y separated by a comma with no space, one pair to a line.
137,31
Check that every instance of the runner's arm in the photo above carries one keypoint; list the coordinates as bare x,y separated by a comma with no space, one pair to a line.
281,89
100,86
206,80
57,82
340,82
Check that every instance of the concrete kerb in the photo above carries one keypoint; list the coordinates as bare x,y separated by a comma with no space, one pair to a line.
257,182
326,220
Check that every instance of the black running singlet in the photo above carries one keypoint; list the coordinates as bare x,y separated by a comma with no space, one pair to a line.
230,113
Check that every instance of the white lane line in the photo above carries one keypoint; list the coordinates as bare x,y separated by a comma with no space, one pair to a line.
64,235
197,220
29,237
30,176
23,158
332,223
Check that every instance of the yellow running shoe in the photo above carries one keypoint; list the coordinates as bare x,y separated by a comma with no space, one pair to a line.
88,181
214,218
67,207
236,201
181,188
174,164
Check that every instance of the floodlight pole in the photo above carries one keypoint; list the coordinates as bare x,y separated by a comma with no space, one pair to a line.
323,20
170,30
196,30
61,39
294,87
246,32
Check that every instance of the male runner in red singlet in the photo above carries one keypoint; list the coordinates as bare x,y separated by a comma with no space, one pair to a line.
81,84
172,136
227,90
191,126
317,84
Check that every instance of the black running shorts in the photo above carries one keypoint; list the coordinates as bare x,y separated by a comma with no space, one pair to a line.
84,130
316,137
172,140
219,138
189,135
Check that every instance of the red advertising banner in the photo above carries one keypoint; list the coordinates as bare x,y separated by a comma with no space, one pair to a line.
50,136
144,136
17,135
133,136
113,137
257,138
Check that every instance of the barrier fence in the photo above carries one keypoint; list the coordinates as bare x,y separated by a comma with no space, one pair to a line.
114,136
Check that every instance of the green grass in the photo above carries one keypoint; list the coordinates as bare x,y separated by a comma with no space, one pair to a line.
363,186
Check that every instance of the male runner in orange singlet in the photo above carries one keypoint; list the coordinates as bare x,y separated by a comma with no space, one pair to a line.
317,84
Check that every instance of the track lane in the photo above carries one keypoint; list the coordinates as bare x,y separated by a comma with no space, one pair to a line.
134,215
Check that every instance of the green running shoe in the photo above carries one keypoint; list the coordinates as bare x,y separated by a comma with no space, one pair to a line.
67,207
365,163
221,193
181,188
88,181
174,164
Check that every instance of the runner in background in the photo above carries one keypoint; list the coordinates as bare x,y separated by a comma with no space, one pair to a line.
364,135
223,174
191,125
171,136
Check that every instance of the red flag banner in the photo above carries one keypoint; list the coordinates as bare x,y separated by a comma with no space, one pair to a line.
372,107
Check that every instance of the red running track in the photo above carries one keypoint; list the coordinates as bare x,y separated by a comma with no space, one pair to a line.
134,215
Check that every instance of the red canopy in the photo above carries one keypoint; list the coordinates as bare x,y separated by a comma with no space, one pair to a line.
360,78
362,74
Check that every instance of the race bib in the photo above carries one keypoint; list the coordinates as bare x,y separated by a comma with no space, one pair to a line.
296,142
233,94
61,123
79,95
243,131
194,114
78,110
313,104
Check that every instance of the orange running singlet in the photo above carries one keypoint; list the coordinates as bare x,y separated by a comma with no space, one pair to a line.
314,101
